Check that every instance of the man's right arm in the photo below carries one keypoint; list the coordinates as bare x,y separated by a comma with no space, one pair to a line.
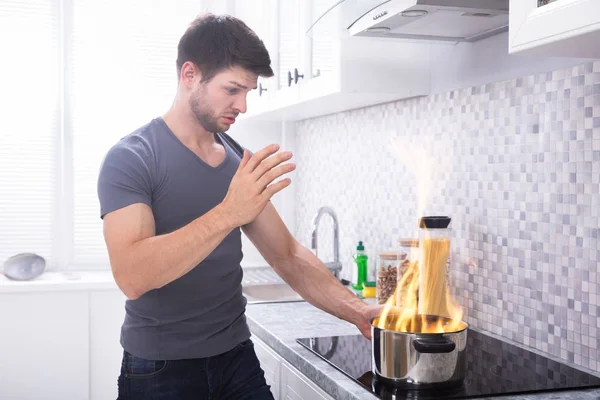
142,261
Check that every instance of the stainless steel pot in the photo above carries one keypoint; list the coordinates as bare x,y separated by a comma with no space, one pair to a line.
419,360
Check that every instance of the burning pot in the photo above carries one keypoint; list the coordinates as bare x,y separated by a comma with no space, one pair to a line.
431,354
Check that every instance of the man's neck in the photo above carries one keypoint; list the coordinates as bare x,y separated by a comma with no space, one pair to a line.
188,130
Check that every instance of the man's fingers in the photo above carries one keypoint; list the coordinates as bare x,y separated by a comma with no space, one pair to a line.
275,173
259,156
244,160
270,163
271,190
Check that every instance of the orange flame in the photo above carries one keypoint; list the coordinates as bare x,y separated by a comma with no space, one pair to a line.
419,300
422,302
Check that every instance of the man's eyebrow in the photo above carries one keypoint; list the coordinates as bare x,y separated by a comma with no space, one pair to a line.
239,85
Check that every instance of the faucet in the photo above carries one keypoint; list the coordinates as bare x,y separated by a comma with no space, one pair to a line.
334,266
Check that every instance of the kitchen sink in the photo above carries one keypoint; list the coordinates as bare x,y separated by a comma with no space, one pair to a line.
271,293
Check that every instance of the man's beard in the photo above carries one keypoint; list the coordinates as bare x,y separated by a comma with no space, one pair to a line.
204,114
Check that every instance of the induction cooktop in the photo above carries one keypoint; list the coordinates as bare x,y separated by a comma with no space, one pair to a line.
494,368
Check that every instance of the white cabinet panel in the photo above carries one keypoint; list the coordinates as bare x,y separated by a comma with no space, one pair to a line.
568,28
270,362
261,16
287,383
322,39
290,45
107,310
296,386
44,346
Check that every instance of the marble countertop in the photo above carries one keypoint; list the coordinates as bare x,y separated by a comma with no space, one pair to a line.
280,324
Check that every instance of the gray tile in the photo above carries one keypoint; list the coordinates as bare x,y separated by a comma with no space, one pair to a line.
515,163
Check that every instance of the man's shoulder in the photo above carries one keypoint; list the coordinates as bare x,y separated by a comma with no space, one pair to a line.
137,147
141,142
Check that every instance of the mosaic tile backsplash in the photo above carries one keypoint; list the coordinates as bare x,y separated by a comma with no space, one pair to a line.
516,164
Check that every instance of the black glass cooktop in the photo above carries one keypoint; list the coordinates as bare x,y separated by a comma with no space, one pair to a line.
494,368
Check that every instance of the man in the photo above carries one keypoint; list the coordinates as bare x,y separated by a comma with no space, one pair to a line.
174,195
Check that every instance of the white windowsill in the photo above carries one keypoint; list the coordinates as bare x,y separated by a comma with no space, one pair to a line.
54,281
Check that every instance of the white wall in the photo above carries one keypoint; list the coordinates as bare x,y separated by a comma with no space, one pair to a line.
485,61
255,136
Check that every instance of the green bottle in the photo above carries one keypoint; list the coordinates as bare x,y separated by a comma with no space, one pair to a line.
360,271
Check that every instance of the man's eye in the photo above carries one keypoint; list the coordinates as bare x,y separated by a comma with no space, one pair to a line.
232,91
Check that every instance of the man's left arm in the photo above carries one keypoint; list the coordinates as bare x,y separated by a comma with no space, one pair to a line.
304,272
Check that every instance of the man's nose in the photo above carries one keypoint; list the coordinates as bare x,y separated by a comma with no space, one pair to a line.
240,104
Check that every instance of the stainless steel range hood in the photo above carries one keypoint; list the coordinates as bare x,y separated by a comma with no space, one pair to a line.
437,20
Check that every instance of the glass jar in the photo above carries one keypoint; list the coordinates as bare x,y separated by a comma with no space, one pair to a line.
387,275
434,258
408,273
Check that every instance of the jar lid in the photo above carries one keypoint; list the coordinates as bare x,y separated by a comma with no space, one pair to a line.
409,242
434,222
389,255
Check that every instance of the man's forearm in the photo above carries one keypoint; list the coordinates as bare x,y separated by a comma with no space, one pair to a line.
158,260
308,276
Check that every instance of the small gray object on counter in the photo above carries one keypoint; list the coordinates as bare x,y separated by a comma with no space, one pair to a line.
24,266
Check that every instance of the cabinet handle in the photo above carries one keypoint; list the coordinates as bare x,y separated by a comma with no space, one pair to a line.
295,78
261,89
297,75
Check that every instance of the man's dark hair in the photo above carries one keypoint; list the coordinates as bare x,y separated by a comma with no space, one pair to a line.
217,42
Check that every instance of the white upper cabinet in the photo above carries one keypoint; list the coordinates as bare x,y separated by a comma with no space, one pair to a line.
320,69
290,40
322,39
569,28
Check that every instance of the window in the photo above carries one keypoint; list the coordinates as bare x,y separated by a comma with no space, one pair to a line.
76,75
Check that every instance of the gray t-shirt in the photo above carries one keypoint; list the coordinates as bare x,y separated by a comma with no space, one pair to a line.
200,314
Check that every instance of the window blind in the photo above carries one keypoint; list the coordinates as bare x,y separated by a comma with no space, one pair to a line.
29,104
123,75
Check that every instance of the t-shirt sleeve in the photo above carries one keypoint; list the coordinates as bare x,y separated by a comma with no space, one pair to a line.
124,179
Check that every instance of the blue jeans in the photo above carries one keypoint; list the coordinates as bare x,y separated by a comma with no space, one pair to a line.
235,375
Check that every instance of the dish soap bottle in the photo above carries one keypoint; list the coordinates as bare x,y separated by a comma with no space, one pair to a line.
359,277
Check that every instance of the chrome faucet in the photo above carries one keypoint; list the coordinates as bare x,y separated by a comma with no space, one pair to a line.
334,266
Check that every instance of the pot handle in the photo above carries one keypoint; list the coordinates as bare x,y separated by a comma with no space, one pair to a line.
434,345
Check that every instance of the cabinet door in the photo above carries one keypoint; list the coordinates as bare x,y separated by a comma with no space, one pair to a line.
555,27
261,17
290,44
323,37
107,311
44,346
296,386
270,363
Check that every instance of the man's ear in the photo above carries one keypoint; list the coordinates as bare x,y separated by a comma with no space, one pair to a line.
189,73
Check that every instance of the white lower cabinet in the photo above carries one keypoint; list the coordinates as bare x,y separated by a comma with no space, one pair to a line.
296,386
107,311
270,362
287,383
60,345
65,345
44,346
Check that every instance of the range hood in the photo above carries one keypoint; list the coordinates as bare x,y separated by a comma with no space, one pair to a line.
437,20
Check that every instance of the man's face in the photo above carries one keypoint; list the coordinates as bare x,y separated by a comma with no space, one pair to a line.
218,102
